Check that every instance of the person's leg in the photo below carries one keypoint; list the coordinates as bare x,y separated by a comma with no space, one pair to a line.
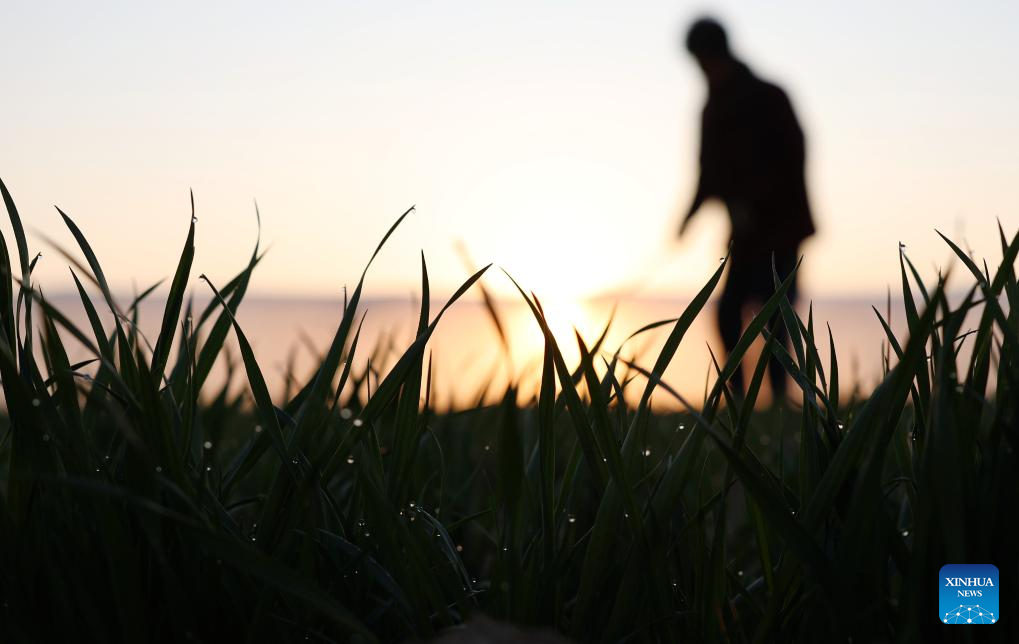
730,316
785,261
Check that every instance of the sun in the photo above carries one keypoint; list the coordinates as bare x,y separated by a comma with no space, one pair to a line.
565,317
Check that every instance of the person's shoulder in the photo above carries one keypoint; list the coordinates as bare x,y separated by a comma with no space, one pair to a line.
771,98
771,91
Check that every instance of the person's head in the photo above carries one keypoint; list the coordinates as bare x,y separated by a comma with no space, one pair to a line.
707,42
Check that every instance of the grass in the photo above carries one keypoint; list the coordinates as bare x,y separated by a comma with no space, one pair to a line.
133,509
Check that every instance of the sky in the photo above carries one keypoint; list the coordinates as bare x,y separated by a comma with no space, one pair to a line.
557,140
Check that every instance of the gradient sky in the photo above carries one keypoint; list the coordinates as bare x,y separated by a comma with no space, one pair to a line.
557,140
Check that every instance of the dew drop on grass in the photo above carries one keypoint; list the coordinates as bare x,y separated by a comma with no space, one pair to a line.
350,460
294,460
208,468
358,422
905,533
36,402
459,547
159,469
207,444
258,429
570,518
647,452
488,447
346,414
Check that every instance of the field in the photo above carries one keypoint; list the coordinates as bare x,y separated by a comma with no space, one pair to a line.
138,504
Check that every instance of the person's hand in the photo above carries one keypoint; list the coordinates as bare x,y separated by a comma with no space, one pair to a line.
683,226
685,220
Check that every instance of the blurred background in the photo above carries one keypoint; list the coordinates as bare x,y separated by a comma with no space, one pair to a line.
557,140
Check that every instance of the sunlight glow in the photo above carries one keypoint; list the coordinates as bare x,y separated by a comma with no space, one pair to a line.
557,225
566,317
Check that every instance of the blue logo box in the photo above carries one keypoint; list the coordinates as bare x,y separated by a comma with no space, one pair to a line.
968,595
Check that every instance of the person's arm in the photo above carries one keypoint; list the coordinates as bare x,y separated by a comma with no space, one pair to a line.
704,181
695,206
791,134
785,143
777,183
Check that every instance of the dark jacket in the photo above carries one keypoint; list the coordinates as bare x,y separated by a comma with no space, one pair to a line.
752,158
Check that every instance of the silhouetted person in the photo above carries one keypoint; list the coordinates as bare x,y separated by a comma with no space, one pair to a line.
751,158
